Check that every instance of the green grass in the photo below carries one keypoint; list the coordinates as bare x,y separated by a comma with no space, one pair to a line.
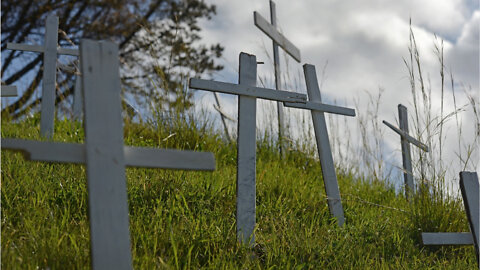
183,220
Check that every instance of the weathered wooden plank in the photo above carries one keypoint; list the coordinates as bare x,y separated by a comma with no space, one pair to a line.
25,47
107,189
322,107
9,91
49,80
407,137
247,90
278,81
274,34
134,156
406,156
470,192
246,157
323,145
440,239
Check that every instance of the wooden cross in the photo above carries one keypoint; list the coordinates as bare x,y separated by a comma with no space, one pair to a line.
405,140
470,192
270,29
8,91
246,141
50,51
321,134
105,156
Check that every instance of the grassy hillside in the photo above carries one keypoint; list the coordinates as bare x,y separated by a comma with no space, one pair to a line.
187,219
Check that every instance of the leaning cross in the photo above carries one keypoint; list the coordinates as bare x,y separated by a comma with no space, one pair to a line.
277,40
321,134
470,192
246,141
105,156
50,51
405,140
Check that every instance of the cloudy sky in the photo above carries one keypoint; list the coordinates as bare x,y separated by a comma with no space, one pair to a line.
357,48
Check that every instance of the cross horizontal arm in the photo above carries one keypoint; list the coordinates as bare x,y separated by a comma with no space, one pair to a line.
40,49
246,90
321,107
134,156
407,137
463,238
9,91
25,47
273,33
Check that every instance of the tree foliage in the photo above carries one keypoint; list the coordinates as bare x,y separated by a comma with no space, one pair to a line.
159,45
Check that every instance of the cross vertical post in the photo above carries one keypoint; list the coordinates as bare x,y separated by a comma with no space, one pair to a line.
406,140
278,81
8,91
49,76
406,155
246,158
107,186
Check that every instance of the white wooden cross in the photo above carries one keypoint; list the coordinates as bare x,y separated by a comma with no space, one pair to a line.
270,29
470,192
105,156
8,91
246,142
405,140
50,51
321,134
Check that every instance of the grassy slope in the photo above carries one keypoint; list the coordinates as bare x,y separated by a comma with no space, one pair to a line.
187,219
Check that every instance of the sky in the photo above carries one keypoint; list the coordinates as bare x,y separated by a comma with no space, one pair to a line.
359,47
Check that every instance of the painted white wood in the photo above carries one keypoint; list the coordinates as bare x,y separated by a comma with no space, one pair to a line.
274,34
247,90
78,98
134,156
9,91
407,137
322,107
25,47
246,158
278,82
405,141
470,188
49,80
323,145
406,153
441,239
106,156
107,189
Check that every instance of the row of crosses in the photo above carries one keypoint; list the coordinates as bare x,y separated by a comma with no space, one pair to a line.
106,157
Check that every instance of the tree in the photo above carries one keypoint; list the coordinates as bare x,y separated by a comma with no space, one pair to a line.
159,46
